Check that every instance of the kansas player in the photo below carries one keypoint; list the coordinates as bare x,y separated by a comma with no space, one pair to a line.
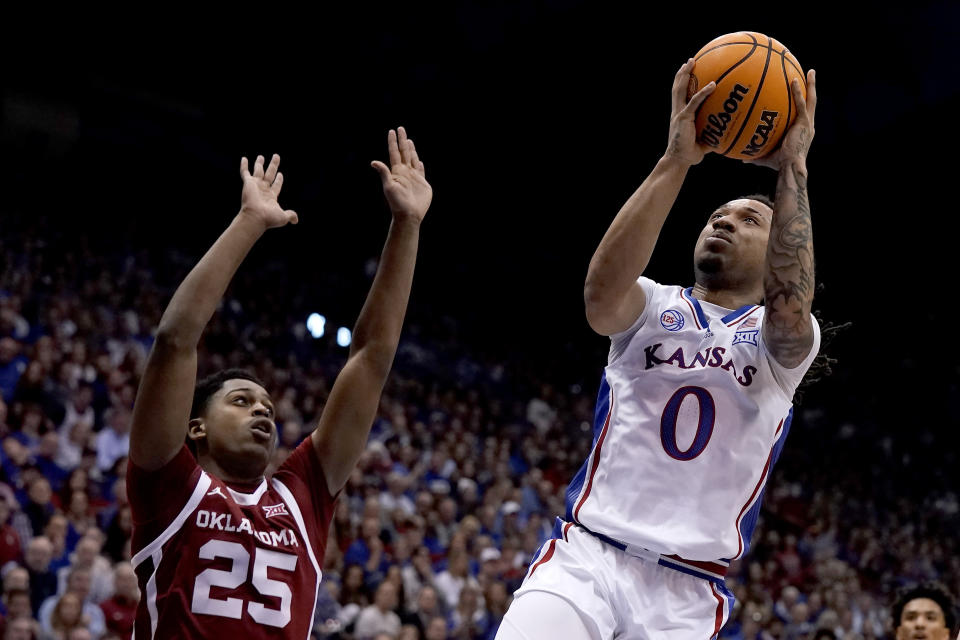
220,550
694,404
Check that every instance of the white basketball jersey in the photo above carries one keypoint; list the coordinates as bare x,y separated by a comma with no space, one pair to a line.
691,416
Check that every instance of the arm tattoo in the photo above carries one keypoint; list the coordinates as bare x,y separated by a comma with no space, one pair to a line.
789,280
675,143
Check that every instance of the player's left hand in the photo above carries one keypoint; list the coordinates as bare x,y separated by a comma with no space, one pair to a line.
404,184
796,142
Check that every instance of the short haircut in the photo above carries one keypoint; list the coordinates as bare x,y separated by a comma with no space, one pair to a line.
759,197
931,590
208,386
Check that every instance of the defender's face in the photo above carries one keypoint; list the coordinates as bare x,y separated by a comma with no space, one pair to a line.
734,241
922,618
238,425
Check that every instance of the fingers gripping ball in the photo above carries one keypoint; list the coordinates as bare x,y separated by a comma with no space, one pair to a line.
752,106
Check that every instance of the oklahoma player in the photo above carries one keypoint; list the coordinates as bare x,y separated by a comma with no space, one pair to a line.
219,550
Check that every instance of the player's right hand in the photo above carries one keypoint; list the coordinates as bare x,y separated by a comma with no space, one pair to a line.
260,192
405,183
682,142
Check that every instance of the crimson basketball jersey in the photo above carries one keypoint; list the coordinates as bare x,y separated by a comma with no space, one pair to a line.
692,413
215,560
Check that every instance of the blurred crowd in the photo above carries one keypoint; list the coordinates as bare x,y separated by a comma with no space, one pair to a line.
465,471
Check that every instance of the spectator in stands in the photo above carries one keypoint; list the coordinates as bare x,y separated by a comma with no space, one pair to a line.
56,532
22,629
469,619
87,556
425,607
44,459
16,604
75,430
497,598
78,585
39,506
437,629
455,577
4,415
10,546
12,366
117,545
353,595
120,610
15,577
113,441
368,552
118,495
43,581
418,573
395,496
380,616
65,615
80,519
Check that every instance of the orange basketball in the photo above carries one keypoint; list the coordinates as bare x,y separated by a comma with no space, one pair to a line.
752,106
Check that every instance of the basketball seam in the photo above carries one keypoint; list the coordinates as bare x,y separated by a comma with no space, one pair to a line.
783,52
725,44
739,62
756,96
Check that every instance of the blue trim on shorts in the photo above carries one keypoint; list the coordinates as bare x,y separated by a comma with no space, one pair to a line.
669,563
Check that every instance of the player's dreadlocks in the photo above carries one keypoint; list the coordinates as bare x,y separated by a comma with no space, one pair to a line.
822,365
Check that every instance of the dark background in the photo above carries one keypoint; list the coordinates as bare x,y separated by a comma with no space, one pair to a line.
535,121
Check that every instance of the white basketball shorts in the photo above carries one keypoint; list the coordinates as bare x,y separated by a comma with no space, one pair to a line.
616,594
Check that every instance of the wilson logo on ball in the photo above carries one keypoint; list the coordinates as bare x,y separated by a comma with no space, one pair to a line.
761,135
718,122
747,114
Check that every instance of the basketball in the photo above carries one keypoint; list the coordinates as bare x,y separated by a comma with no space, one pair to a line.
752,106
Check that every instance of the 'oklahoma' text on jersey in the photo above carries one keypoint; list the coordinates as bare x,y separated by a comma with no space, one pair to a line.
215,560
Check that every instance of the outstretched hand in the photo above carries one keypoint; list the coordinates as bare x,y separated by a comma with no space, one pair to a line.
404,184
260,192
796,142
683,143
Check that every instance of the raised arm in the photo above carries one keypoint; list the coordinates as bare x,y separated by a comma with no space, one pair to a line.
789,280
613,298
341,436
162,408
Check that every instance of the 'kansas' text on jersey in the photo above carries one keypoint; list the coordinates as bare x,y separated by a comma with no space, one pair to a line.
691,416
